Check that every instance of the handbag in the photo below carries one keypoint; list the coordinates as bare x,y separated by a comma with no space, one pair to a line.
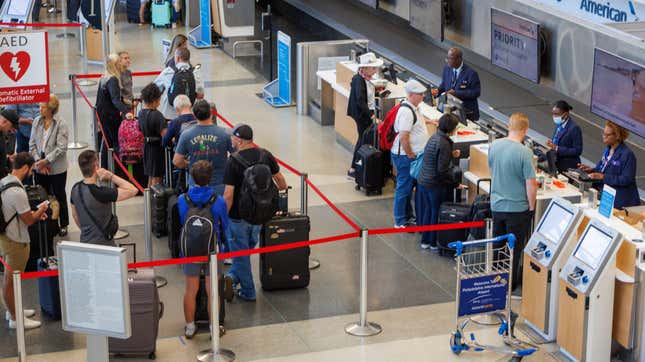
110,229
415,166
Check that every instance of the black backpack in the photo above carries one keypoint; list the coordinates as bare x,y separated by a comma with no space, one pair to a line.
3,220
183,82
258,197
198,236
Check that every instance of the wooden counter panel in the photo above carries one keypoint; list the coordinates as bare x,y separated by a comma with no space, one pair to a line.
479,163
344,124
535,291
626,258
94,44
571,321
623,313
344,75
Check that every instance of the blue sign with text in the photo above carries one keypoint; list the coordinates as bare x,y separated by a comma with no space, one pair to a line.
606,206
483,294
284,67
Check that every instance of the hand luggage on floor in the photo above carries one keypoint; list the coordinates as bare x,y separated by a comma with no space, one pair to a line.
48,288
41,233
174,226
145,312
159,195
201,309
480,211
451,213
369,166
287,269
161,13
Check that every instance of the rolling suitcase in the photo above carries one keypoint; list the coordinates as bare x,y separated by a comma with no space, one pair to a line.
288,269
48,289
174,226
161,13
41,244
201,309
145,312
451,213
159,195
480,211
369,164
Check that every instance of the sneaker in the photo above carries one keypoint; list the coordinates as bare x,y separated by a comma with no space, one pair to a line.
228,261
222,331
434,249
28,313
29,324
190,330
228,288
351,174
426,246
244,297
63,231
399,226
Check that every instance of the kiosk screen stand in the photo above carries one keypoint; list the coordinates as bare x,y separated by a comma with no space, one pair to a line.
593,247
555,222
18,8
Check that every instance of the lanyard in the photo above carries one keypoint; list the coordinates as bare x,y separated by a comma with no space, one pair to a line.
558,132
605,160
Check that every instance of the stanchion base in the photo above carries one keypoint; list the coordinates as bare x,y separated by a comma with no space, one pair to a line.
314,263
76,145
370,329
66,35
223,355
485,320
85,82
160,281
121,234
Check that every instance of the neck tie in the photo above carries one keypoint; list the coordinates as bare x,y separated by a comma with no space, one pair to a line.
454,79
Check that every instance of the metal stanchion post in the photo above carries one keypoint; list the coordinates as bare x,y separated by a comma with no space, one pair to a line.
65,34
120,234
363,328
215,353
20,317
74,145
487,319
147,234
304,210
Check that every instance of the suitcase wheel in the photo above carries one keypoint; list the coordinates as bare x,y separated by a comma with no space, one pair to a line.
357,188
152,355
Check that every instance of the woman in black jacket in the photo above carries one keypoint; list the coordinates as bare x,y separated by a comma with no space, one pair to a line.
109,106
436,181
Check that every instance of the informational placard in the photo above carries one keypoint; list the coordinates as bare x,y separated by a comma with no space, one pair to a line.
607,198
284,67
24,68
515,44
166,44
598,11
94,289
483,294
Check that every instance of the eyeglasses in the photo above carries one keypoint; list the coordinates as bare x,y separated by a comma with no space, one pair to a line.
608,134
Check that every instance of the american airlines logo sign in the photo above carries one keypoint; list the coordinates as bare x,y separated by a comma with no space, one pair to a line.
601,11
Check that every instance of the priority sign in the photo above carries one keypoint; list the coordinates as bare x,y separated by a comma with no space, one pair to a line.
24,68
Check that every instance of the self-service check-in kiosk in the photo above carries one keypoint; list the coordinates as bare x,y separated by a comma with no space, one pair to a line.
16,11
586,295
544,256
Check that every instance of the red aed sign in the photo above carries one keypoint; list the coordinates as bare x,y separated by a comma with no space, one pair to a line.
24,68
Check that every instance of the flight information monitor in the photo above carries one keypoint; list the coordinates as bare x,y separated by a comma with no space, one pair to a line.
515,44
593,246
555,221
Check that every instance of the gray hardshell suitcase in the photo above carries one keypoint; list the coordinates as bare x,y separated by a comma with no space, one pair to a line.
145,312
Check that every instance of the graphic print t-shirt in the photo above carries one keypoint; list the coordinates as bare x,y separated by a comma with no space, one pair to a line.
211,143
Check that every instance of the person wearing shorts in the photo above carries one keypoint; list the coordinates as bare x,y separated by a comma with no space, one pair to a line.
142,12
200,194
14,242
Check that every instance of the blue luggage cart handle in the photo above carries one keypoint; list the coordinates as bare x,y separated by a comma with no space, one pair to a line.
459,245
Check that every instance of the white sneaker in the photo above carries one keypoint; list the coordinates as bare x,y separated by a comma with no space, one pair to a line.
189,330
228,261
29,324
27,312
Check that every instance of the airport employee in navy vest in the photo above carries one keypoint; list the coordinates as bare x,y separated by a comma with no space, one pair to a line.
567,137
462,82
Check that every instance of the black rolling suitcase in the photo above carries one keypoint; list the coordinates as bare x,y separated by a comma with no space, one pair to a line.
173,225
369,165
287,269
452,213
41,238
159,195
480,211
201,309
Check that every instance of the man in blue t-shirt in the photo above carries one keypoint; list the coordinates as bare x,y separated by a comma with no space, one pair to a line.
204,141
200,195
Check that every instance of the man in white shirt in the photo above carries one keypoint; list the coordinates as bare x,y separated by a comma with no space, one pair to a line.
410,141
14,242
164,81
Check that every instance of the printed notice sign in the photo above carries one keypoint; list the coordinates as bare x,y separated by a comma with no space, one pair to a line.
94,289
606,206
24,68
483,294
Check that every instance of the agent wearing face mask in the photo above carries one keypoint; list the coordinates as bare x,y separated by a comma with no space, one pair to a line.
567,137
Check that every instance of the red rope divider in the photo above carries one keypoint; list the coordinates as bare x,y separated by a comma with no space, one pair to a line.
38,275
166,262
145,74
87,76
7,268
44,25
333,207
437,227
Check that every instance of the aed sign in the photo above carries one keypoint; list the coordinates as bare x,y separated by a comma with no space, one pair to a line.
24,68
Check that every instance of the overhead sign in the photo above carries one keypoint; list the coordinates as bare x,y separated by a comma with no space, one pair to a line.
514,44
601,11
24,68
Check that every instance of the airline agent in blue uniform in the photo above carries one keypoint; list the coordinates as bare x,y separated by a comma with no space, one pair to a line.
462,82
567,137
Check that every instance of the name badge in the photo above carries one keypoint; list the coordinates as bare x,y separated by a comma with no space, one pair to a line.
615,163
463,86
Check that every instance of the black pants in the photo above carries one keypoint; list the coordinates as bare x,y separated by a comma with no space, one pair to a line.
55,185
112,136
361,127
519,224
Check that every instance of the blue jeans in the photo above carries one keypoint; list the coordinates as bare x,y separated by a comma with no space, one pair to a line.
430,200
243,236
403,211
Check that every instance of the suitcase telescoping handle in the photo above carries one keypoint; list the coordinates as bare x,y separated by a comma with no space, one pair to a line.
480,181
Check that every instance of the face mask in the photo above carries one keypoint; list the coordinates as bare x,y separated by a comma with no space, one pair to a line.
558,120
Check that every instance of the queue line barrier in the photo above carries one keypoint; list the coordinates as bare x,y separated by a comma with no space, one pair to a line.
42,25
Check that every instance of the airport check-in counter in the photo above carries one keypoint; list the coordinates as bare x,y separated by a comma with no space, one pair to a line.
335,89
544,256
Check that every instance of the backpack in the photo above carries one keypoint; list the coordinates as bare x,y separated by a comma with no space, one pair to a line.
258,197
3,221
198,236
185,126
386,131
130,141
183,82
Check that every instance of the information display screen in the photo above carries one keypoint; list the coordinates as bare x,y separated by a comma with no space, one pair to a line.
593,247
18,8
515,44
618,91
554,222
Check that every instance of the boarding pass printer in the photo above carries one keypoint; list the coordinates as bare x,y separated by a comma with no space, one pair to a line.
586,295
544,256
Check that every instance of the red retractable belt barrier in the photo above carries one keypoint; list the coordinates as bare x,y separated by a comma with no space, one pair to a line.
43,25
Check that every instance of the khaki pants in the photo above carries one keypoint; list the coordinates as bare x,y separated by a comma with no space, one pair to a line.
14,254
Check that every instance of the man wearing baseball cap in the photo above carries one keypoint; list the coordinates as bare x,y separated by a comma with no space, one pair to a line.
9,123
242,234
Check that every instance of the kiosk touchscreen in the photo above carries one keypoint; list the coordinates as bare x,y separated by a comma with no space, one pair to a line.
546,252
16,11
586,295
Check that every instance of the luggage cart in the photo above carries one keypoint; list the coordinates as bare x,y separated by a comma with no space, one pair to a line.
484,279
